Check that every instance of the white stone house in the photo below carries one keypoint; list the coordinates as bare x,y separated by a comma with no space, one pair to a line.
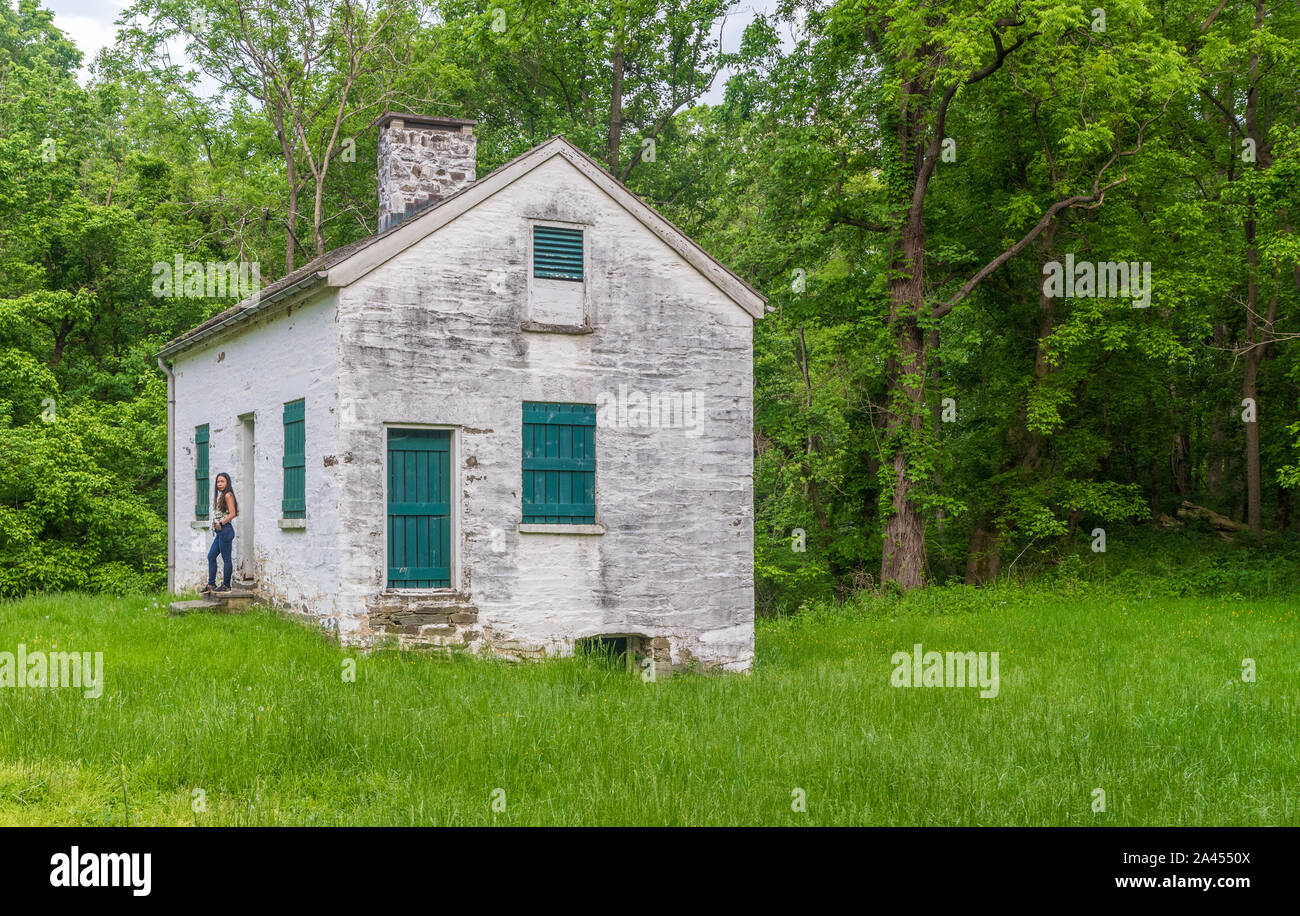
518,416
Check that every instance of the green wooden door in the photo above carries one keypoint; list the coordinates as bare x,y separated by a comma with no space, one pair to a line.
419,508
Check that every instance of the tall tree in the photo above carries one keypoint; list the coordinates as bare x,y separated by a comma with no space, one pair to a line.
924,65
318,69
610,75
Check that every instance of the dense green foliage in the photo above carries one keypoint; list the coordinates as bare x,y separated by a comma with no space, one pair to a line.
912,382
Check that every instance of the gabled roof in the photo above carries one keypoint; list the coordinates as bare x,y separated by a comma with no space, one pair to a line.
345,265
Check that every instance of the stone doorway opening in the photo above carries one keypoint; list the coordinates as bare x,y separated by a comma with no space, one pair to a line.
611,650
645,655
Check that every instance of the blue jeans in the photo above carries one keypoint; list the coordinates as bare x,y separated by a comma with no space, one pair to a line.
222,543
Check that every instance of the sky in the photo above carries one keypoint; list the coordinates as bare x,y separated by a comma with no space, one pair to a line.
89,24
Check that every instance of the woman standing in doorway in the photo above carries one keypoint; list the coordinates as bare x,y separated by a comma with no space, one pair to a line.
224,509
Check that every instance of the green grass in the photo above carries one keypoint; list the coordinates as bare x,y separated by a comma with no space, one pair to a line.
1143,698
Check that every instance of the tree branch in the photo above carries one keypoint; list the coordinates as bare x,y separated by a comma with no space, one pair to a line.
1213,16
1082,201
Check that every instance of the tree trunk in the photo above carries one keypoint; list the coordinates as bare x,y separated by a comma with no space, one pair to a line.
615,111
291,225
1153,465
289,153
811,491
1189,511
903,555
318,217
984,558
1249,390
1153,490
936,419
1254,349
1216,463
1179,466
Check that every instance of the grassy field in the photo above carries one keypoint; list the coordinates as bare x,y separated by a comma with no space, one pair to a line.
251,716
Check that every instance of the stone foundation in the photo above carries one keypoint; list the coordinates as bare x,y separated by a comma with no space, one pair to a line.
448,621
451,622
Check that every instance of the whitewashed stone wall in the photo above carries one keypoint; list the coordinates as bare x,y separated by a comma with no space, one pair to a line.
433,337
258,369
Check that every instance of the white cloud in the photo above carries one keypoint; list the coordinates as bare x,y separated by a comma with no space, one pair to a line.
88,24
739,16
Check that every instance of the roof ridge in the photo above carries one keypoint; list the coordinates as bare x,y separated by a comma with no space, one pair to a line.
319,267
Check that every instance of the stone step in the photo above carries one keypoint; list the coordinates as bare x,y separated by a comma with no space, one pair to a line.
176,608
235,601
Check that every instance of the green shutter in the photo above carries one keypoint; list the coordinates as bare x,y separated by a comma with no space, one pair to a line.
419,508
557,253
201,471
559,465
294,503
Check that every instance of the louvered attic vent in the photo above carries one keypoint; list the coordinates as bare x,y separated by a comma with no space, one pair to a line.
557,253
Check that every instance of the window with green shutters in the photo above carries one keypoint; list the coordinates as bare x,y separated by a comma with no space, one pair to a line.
294,503
559,464
557,253
419,508
201,471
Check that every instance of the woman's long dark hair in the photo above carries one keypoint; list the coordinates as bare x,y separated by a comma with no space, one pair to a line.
230,488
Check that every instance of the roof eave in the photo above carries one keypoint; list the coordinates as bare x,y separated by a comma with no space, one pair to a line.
249,308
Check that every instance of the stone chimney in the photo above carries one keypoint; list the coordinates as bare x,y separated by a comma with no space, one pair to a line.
421,160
